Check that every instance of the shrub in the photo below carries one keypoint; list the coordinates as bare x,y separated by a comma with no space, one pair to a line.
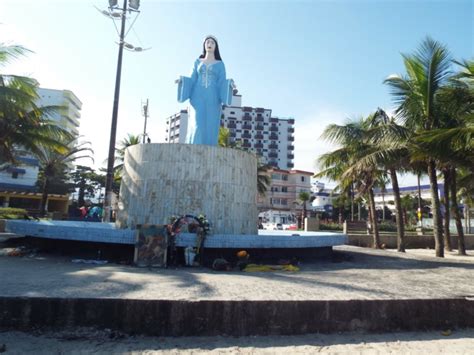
12,213
330,226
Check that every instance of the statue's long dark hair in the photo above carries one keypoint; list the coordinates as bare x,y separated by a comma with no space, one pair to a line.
216,51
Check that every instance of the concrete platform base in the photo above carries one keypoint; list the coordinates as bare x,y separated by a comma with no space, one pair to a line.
108,233
237,318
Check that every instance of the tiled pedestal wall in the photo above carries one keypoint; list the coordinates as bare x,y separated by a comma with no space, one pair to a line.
162,180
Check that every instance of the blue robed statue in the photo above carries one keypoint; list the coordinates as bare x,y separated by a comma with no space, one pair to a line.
207,90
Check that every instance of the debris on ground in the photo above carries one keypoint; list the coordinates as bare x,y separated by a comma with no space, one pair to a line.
89,261
266,268
221,264
18,251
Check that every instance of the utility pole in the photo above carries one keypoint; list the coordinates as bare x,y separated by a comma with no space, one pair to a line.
145,114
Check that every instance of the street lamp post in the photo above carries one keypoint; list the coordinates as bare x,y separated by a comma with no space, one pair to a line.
113,129
134,5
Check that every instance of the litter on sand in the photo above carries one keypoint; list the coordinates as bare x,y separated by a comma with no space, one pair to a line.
85,261
264,268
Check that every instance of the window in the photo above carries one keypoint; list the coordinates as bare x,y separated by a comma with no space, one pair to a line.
284,177
284,189
15,175
302,179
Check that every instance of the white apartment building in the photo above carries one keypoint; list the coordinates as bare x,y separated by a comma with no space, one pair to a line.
322,197
255,128
69,115
24,176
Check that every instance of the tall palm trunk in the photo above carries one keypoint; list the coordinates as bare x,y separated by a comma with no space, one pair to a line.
44,197
447,234
398,212
437,223
456,213
373,215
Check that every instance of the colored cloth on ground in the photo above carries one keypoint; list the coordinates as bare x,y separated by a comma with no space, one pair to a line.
207,89
265,268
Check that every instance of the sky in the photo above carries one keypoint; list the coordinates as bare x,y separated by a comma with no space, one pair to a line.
320,62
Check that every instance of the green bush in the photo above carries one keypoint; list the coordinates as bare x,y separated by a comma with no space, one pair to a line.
12,213
330,227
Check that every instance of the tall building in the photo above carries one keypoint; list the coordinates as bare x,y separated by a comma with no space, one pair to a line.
254,128
69,115
18,183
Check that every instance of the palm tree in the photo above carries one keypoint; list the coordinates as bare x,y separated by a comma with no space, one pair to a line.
120,151
341,165
304,197
453,144
263,178
53,163
24,125
391,153
428,70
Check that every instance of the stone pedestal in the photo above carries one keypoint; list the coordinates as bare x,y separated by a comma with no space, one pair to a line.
162,180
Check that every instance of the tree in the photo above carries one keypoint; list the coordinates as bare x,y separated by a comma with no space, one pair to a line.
23,125
304,197
87,181
452,144
120,151
428,70
341,165
53,164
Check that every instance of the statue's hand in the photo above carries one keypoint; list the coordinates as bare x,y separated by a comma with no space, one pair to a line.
233,84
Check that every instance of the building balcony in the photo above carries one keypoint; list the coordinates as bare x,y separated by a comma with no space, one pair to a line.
258,136
231,118
259,118
247,117
290,156
273,120
246,145
291,130
258,145
259,109
290,165
246,109
273,129
246,126
273,136
291,121
291,147
291,139
259,128
273,146
246,135
273,155
273,163
231,125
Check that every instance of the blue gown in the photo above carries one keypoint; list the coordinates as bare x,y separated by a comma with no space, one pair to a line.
207,89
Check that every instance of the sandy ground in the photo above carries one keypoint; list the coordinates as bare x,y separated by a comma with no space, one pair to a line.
86,341
355,273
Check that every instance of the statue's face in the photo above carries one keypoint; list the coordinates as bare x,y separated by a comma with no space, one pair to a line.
210,45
